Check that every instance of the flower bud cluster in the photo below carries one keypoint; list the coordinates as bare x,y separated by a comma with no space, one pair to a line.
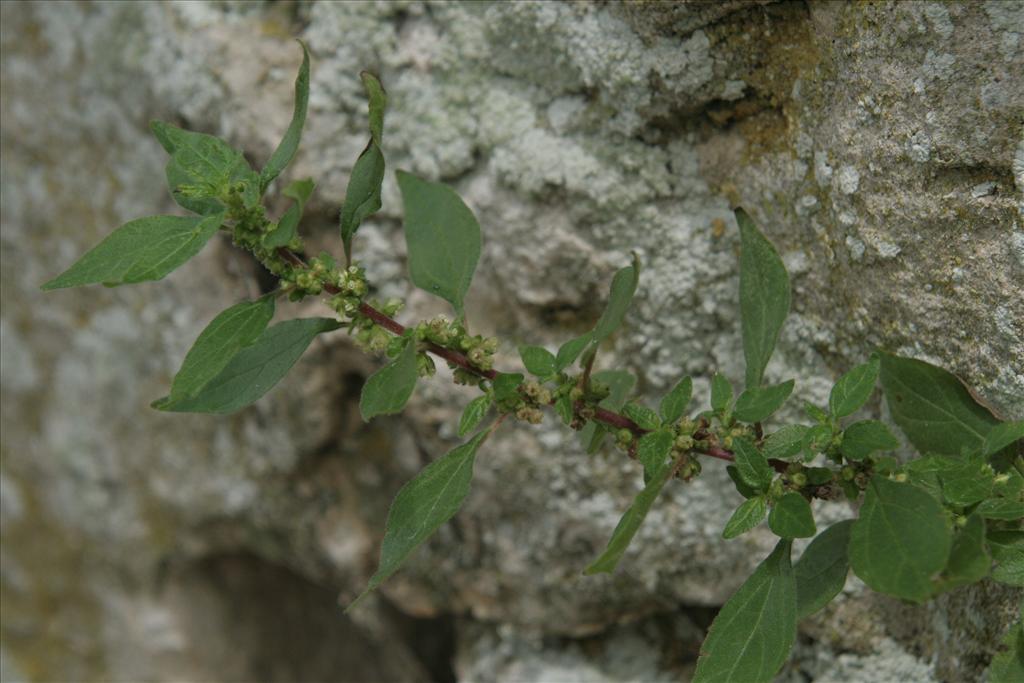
452,335
351,283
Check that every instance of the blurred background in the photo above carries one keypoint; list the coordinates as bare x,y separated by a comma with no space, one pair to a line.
879,145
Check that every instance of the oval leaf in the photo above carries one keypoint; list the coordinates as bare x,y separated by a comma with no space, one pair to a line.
571,350
791,517
853,389
746,517
752,465
254,370
934,408
721,393
764,297
362,196
673,404
422,506
537,360
387,390
226,335
900,541
786,442
652,449
753,633
755,404
863,438
969,560
378,102
443,239
822,569
140,250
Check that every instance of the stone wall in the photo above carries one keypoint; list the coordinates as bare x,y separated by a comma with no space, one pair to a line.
879,145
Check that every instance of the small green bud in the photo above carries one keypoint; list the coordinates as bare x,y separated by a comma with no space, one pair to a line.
576,394
901,477
847,473
799,479
624,436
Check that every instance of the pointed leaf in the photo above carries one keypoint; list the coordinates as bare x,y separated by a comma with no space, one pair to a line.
785,443
378,101
140,250
822,569
630,523
863,438
965,481
443,239
289,144
969,560
854,388
1001,508
721,393
764,297
742,487
570,351
538,361
746,517
753,633
506,385
563,407
254,370
1007,548
756,404
934,408
652,450
287,227
643,416
791,517
621,295
473,414
673,404
226,335
900,541
752,465
422,506
619,384
362,196
387,390
1002,435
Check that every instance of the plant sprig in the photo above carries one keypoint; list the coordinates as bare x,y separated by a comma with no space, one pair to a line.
947,518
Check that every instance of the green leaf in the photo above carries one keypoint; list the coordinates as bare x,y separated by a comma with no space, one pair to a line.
853,389
746,517
742,487
387,390
752,635
822,569
570,351
203,168
287,227
473,414
721,393
619,384
1008,665
1007,548
443,238
752,465
506,385
757,403
673,404
538,361
362,196
621,295
764,297
791,517
289,144
1001,508
933,408
378,103
643,416
422,506
140,250
1002,435
816,439
652,449
785,443
226,335
254,370
563,407
900,540
969,560
630,523
965,481
863,438
815,413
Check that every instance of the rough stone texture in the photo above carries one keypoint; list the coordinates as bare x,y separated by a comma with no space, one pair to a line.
879,145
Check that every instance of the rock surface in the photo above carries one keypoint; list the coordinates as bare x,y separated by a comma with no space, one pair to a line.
880,146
